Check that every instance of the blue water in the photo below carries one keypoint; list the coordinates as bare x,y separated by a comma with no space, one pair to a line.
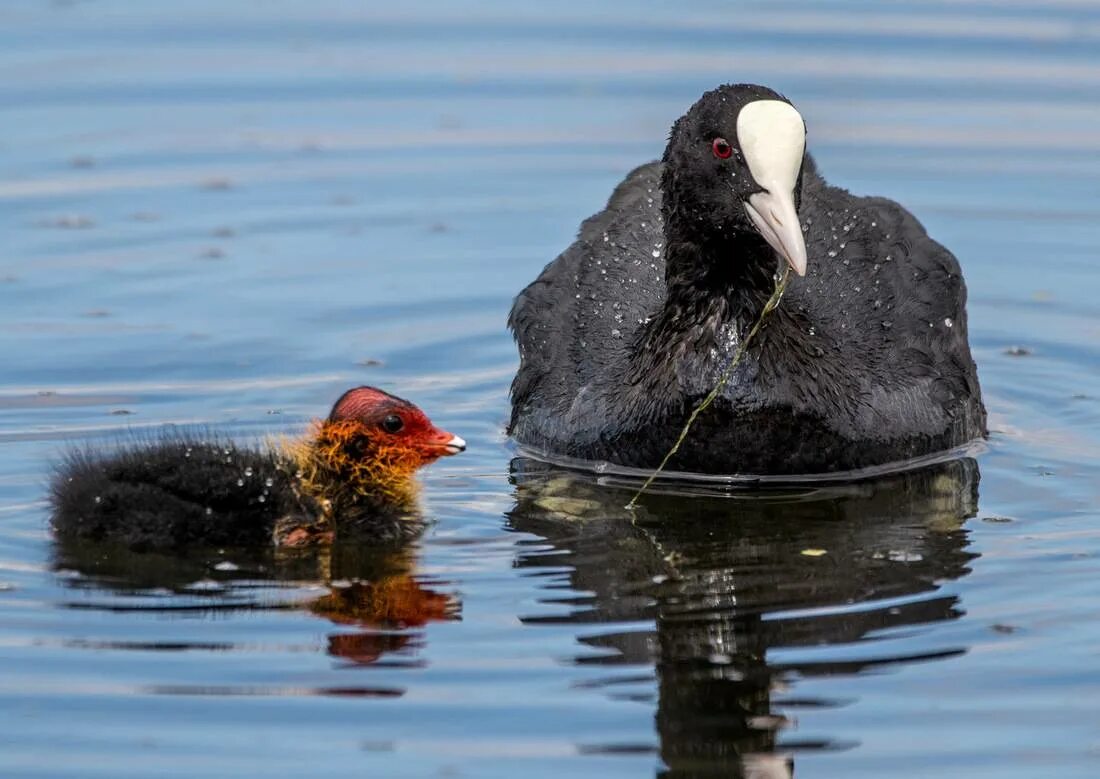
225,213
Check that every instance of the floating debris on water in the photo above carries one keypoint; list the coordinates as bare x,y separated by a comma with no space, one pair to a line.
217,184
902,556
205,585
69,222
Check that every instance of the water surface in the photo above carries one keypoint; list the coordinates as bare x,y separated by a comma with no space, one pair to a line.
223,214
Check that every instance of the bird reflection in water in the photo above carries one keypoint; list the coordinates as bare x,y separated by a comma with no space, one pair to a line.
390,606
378,592
728,580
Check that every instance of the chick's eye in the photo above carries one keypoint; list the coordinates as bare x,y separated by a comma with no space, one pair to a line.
393,423
722,149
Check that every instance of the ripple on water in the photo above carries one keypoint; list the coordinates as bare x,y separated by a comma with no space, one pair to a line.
221,219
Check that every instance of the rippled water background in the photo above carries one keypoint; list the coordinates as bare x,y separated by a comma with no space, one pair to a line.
226,212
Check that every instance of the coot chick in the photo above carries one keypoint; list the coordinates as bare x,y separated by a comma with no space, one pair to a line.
865,361
351,475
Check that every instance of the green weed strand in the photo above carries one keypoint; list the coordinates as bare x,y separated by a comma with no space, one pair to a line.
771,305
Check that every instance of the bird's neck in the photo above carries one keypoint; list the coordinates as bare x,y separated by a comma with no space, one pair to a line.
698,263
715,289
345,482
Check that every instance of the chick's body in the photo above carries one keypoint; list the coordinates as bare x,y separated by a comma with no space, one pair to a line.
352,475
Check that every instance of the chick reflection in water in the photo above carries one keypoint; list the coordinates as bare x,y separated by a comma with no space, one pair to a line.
376,591
390,606
729,580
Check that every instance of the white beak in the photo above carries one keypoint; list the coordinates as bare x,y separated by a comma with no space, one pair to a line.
774,217
773,139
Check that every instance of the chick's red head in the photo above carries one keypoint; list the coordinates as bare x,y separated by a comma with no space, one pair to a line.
382,423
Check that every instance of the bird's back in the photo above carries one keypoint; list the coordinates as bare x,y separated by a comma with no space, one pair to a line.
576,322
171,493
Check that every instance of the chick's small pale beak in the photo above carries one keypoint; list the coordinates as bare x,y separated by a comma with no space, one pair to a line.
440,443
455,445
775,218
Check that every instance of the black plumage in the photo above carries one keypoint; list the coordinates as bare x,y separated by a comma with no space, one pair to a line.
177,493
866,361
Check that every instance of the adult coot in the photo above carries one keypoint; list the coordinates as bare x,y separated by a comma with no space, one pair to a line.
865,362
352,474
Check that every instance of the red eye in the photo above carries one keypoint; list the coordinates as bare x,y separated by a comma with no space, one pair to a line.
722,149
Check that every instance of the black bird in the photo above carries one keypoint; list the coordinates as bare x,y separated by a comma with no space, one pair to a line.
865,362
351,475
